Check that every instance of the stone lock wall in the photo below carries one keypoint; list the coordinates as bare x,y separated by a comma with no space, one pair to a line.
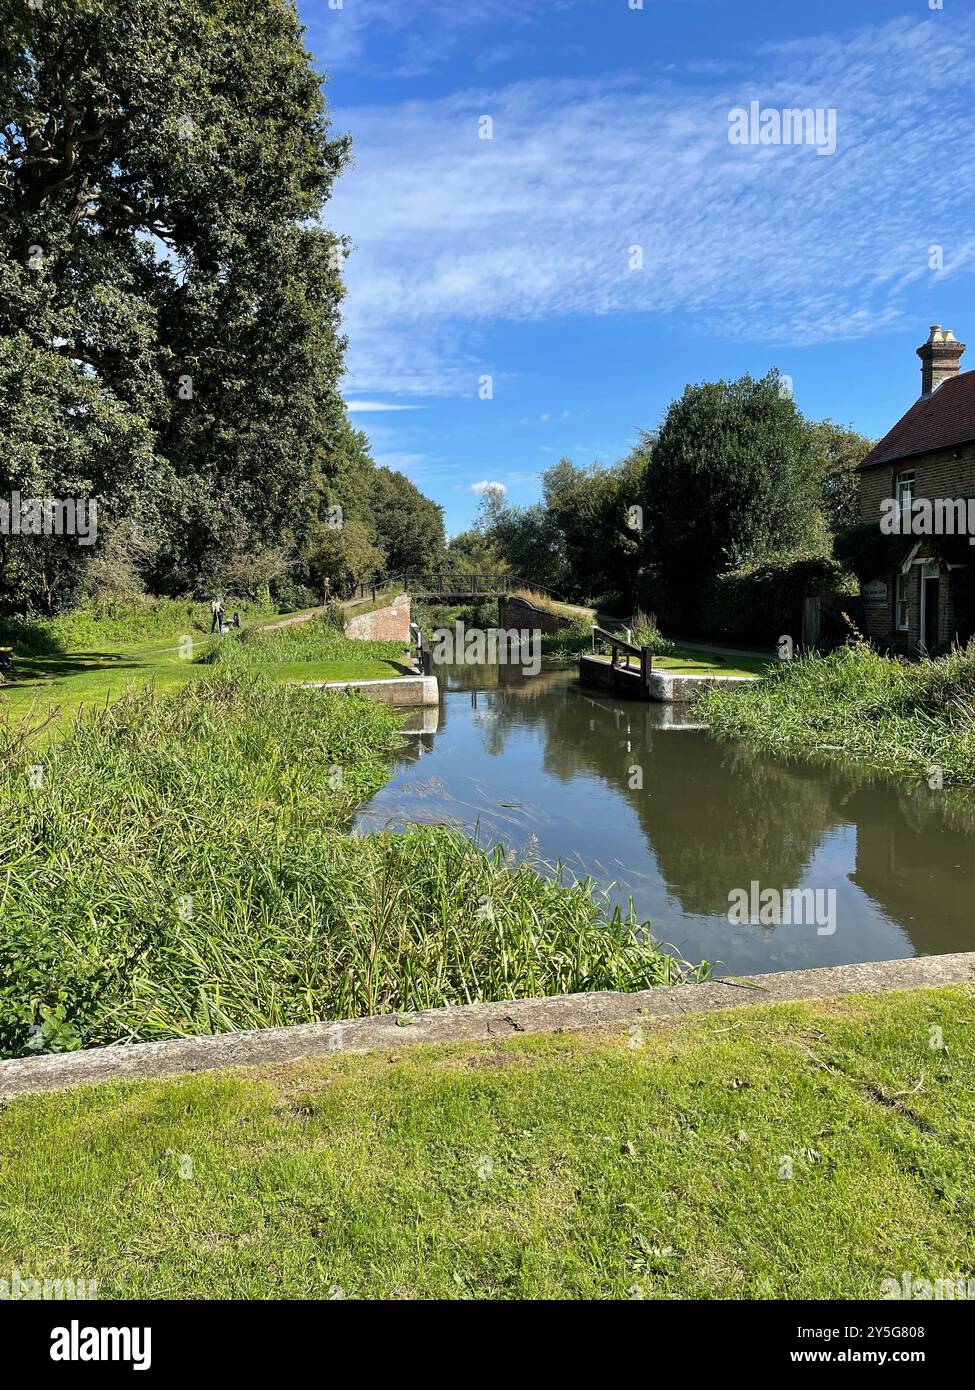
518,613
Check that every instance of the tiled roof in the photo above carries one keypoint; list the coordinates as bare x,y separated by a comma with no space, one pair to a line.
939,421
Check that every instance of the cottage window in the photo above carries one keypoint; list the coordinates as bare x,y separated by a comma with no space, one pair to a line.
905,495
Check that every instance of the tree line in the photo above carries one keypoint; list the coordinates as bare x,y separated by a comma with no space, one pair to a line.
734,477
170,331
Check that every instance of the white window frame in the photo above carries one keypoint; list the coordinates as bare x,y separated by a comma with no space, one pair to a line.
904,492
901,601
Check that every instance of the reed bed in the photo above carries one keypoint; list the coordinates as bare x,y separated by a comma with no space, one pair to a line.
911,718
179,865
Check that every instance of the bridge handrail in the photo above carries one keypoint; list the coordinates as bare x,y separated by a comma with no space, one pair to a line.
622,644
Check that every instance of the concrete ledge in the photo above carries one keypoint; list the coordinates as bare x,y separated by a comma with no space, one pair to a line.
667,687
400,691
473,1022
676,689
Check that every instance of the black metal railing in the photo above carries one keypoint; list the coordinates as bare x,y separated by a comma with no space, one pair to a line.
621,645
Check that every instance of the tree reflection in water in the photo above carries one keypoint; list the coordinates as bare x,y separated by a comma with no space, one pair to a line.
518,755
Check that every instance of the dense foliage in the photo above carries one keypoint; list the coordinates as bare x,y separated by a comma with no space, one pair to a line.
169,303
913,718
734,479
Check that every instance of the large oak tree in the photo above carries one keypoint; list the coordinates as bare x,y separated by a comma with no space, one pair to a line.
169,304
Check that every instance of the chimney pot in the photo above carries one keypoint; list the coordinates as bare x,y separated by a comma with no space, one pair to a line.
940,359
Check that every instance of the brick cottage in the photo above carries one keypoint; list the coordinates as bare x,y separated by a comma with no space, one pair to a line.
919,598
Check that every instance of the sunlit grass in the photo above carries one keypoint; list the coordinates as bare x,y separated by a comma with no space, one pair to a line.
786,1152
64,680
180,866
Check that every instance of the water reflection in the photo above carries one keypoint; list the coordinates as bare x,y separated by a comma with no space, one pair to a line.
660,812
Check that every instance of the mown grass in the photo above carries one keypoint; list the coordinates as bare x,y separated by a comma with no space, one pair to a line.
915,718
178,865
786,1152
55,675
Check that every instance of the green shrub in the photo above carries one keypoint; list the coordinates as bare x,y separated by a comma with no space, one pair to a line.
864,550
569,641
761,602
646,633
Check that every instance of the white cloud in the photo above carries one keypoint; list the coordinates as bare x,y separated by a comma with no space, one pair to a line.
482,488
400,462
423,38
361,407
771,244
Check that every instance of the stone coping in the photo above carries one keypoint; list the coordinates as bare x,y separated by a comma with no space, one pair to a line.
473,1023
401,691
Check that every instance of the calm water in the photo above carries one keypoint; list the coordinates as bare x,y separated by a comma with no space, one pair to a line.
516,757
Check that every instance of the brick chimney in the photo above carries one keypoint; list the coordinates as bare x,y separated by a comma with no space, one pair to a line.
940,359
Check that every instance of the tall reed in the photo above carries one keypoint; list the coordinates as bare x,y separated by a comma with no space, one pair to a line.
181,865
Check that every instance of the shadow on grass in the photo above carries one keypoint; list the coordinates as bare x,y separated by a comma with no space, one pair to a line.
33,668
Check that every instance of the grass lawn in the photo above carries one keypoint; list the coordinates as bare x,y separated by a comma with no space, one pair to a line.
90,677
788,1151
694,663
687,661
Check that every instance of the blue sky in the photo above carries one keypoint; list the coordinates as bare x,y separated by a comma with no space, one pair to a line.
511,257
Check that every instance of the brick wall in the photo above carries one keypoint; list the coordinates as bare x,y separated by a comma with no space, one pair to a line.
946,473
388,624
518,613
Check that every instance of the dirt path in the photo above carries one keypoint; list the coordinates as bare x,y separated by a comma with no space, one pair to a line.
303,617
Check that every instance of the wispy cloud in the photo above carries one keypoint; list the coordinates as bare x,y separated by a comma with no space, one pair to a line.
453,233
371,407
425,32
400,462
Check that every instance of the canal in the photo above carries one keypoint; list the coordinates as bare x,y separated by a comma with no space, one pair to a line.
657,811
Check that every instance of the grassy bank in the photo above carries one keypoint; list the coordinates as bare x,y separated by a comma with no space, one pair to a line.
794,1151
178,865
318,642
912,718
123,624
89,658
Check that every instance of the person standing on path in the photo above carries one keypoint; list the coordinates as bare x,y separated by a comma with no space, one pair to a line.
216,616
327,589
